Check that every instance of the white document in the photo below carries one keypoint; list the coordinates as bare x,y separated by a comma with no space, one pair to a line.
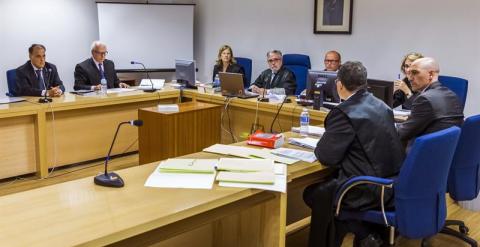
120,90
188,165
168,108
247,177
280,183
401,113
246,152
312,130
296,154
147,84
245,165
306,142
180,180
7,100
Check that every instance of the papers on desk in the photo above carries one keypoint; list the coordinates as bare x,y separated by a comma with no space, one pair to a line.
243,165
248,177
120,90
183,173
312,130
257,180
306,142
146,84
8,100
247,152
295,154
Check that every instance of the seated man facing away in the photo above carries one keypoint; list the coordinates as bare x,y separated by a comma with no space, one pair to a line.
37,77
360,139
277,76
90,72
435,108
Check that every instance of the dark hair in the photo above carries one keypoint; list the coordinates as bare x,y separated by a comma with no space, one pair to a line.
33,46
353,75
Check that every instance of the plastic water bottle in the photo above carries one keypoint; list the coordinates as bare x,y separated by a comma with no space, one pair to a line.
216,81
103,86
304,122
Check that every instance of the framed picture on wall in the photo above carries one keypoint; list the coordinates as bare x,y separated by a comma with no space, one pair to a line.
333,16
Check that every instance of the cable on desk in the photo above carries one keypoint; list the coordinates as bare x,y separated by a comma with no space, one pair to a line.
276,115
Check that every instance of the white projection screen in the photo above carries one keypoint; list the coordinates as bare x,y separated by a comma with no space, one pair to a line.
154,34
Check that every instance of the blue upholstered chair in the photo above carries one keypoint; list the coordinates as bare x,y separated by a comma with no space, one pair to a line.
246,63
464,176
11,80
299,64
457,85
420,189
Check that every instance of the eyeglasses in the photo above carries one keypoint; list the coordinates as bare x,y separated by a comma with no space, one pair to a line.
273,60
330,61
101,53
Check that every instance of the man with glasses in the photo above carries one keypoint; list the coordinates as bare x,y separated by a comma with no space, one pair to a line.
90,72
435,108
332,61
37,77
277,76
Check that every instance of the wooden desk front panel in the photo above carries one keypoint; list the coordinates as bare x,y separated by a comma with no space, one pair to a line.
87,133
17,146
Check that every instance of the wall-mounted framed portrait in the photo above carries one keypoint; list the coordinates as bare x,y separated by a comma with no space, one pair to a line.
333,17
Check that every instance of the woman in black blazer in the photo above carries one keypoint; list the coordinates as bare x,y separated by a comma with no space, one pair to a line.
402,92
226,63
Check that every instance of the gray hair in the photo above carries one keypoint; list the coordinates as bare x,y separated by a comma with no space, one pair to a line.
97,43
429,64
274,52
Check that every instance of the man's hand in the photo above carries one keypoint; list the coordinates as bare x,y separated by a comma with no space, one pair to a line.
54,92
97,87
258,90
123,85
401,85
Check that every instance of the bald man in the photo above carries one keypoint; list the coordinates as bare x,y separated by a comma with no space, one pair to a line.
436,108
332,61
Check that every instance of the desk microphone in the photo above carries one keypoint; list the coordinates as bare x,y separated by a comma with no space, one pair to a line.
111,179
148,76
45,98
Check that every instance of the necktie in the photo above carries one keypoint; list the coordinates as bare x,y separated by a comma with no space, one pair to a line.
41,82
102,73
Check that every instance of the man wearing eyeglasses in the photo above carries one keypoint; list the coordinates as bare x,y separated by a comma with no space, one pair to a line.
435,108
90,72
332,61
277,76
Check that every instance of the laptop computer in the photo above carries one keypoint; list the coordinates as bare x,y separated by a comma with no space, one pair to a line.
231,85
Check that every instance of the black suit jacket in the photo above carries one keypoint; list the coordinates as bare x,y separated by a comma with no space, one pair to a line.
87,74
434,109
232,68
283,79
27,83
360,139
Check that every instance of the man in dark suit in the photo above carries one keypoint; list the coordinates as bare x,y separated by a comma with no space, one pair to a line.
277,76
435,108
90,72
355,143
332,62
37,77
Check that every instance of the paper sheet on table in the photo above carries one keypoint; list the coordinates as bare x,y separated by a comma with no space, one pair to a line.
244,165
120,90
312,130
246,152
7,100
295,153
246,177
280,183
180,180
306,142
188,166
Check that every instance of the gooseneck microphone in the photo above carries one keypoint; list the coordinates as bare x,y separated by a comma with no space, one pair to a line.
111,179
45,98
148,76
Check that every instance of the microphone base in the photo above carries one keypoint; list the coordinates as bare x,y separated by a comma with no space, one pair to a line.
149,90
111,180
264,99
44,100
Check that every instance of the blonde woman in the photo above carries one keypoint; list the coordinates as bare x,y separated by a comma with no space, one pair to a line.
402,92
226,63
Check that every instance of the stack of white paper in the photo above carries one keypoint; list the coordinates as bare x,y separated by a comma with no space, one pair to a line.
246,177
279,184
243,165
168,108
312,130
402,113
306,142
120,90
246,152
188,165
295,153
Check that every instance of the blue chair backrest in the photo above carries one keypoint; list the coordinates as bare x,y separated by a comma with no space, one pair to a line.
463,179
299,64
11,81
246,63
420,188
457,85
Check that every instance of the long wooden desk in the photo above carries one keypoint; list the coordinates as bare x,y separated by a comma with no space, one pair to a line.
69,130
80,213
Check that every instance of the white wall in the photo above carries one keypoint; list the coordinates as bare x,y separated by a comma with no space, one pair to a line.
383,31
65,27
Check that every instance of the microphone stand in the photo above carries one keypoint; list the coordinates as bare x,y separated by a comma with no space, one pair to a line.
111,179
148,76
45,98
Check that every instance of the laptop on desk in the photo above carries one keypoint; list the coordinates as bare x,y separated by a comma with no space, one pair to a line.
232,86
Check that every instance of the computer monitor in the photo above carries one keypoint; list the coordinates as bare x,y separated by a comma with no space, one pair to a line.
326,80
185,72
382,90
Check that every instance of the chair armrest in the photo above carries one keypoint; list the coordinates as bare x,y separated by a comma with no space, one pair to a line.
360,180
